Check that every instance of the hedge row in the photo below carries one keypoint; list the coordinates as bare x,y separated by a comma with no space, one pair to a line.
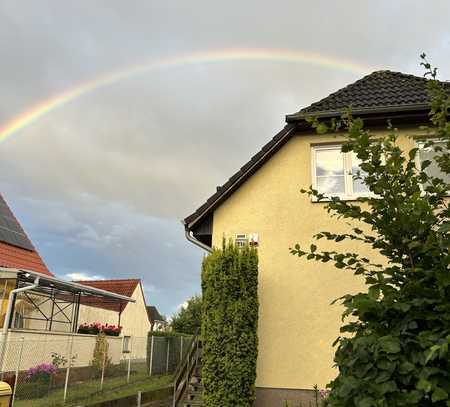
229,326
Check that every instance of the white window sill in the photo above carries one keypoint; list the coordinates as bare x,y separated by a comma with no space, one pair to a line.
343,198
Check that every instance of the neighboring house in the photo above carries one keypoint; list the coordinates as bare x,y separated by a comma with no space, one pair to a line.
262,202
45,312
131,316
157,321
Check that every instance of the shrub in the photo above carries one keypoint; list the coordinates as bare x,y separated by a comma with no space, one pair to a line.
41,373
188,319
229,324
394,351
100,357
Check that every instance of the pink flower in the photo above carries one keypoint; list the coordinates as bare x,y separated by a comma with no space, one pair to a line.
324,393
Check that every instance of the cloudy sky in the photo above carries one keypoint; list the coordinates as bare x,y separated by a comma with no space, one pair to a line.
102,182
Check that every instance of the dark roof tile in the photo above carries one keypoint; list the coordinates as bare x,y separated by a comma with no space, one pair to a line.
378,89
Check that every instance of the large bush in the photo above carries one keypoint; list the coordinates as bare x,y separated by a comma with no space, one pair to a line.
188,319
229,324
394,351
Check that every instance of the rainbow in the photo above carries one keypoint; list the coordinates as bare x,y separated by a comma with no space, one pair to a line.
41,109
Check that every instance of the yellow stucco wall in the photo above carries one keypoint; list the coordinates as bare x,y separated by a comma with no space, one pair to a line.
297,325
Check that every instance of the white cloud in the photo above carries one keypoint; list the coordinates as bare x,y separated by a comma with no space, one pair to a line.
82,276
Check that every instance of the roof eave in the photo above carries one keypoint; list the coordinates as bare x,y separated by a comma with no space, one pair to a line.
75,286
300,116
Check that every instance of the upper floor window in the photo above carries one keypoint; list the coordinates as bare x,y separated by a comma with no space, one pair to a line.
428,153
334,173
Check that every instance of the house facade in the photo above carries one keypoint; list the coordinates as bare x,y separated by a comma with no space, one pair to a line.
42,312
131,316
262,202
157,321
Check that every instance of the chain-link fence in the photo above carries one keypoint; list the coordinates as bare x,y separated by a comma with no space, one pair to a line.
165,353
47,370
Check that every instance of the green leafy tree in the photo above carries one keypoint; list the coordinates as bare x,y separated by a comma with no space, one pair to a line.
188,319
230,319
394,351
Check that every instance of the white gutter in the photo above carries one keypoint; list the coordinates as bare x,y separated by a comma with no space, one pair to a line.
195,241
12,296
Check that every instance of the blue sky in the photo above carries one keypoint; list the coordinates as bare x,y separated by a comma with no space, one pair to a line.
102,183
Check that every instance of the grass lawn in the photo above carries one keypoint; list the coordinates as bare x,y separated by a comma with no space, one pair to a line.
88,392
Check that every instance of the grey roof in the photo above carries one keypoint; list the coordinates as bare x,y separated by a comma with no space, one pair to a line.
379,92
153,314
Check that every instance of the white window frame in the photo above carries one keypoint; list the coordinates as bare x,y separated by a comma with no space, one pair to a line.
348,194
419,142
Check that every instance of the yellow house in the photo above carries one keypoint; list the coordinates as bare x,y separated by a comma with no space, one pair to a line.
262,202
132,317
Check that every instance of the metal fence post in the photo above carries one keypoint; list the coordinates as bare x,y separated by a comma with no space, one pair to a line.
139,397
167,355
129,369
103,368
151,355
16,380
181,348
66,383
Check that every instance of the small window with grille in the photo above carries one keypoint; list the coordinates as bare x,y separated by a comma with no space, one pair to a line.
126,344
241,240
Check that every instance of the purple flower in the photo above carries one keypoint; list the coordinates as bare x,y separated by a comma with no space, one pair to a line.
43,370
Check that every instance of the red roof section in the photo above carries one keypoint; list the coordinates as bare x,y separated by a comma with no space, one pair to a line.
16,257
123,287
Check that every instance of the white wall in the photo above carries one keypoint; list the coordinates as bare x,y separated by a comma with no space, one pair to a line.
38,346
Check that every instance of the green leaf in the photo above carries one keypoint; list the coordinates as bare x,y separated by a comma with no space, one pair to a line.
432,353
390,344
424,385
406,367
366,402
438,395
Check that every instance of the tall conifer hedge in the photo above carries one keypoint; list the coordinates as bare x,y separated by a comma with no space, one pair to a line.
229,325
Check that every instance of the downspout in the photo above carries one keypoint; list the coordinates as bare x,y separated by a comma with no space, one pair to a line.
9,310
193,240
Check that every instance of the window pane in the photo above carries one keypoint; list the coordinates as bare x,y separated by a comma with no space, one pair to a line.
330,171
331,185
329,162
433,169
359,187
